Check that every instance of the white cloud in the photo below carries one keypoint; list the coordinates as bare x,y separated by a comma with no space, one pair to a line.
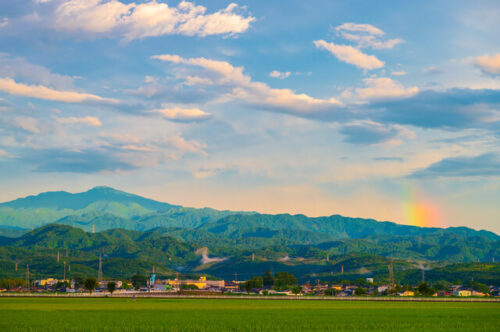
29,124
3,22
367,28
382,88
489,64
398,73
183,114
366,35
89,120
19,68
280,75
5,154
350,55
42,92
241,87
153,18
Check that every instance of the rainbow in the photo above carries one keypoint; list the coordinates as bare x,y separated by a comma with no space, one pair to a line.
419,210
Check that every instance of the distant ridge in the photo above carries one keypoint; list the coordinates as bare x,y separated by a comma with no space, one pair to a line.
66,200
108,208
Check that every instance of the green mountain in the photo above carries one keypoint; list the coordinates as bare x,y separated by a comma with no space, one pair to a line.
126,252
107,208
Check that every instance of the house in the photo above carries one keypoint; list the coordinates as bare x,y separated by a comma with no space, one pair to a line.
201,283
462,292
476,293
231,286
383,288
407,293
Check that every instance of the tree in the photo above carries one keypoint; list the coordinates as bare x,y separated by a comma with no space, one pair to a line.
331,292
139,281
296,290
425,290
78,282
360,291
126,285
90,284
248,286
283,280
477,286
258,282
111,286
268,279
189,287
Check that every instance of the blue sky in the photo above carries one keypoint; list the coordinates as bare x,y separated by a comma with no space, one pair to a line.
388,110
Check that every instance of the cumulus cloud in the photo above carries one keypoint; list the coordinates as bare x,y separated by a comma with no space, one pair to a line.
42,92
489,64
398,73
89,120
178,114
236,85
139,20
280,75
366,35
383,88
486,164
351,55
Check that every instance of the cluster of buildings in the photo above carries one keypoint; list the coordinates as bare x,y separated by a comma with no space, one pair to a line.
220,286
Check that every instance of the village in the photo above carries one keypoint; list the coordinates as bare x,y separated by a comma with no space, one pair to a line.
283,284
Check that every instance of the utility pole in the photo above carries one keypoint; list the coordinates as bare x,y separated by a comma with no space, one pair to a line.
342,269
253,257
16,266
93,228
327,257
64,277
99,274
28,276
236,276
423,275
58,257
391,272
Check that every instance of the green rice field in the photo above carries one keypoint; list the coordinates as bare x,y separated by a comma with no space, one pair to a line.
147,314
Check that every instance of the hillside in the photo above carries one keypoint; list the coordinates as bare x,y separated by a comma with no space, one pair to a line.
126,252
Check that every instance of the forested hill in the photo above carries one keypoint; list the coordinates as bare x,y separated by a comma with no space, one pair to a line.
127,252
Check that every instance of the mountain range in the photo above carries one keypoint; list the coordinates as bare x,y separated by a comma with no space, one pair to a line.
135,233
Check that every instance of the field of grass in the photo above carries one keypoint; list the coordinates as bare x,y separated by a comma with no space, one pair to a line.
50,314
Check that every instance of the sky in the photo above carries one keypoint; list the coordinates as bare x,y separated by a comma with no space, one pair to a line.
377,109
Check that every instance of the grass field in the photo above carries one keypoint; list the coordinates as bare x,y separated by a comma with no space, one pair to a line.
49,314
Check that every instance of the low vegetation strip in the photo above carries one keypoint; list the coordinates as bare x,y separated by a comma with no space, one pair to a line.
253,297
148,314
